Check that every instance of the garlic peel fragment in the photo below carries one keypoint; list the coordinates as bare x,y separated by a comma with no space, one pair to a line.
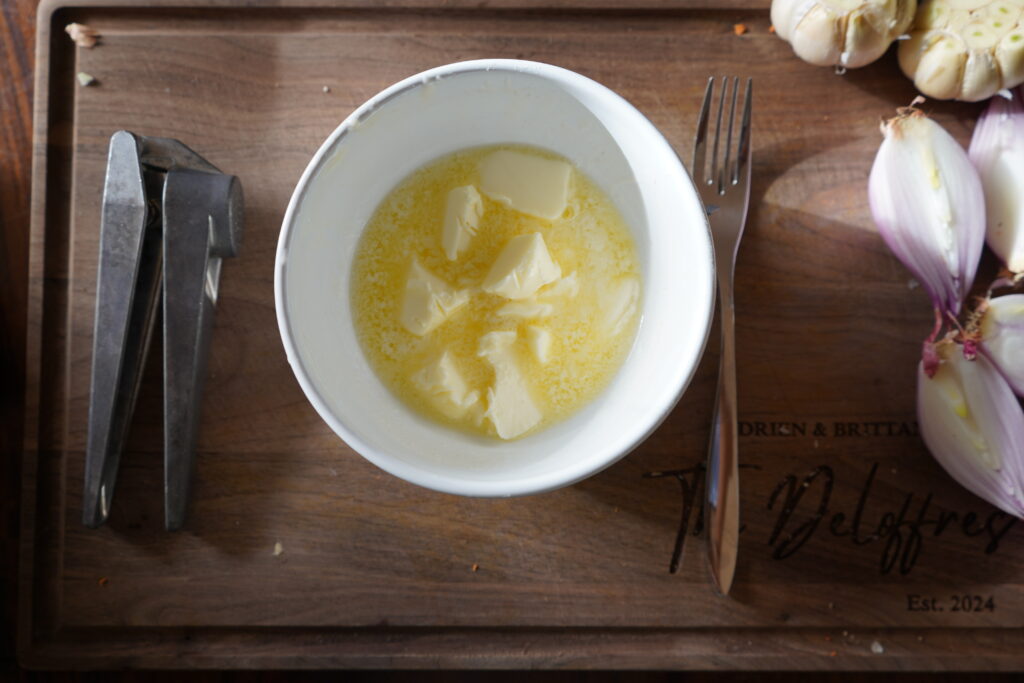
842,33
927,202
974,427
997,151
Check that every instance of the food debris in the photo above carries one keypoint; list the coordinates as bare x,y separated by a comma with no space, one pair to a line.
771,29
278,549
833,654
913,284
739,29
877,648
103,581
475,566
83,35
828,639
327,89
85,79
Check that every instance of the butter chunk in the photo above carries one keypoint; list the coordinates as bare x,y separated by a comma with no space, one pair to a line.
526,310
566,287
539,341
510,408
429,300
462,213
527,183
620,304
441,381
522,267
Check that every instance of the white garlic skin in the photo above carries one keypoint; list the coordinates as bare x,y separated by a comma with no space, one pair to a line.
965,49
842,33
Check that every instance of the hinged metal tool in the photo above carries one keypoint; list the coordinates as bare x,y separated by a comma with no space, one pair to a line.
169,218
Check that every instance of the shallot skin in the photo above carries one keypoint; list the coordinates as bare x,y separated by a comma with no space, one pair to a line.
1002,338
997,151
926,199
974,427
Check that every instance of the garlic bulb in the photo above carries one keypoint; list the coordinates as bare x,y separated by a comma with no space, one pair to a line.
927,201
1002,338
974,426
965,49
843,33
997,151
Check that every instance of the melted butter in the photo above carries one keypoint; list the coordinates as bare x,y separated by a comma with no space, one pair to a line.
590,239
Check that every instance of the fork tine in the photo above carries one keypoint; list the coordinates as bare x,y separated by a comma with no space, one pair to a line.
714,179
700,138
743,152
728,167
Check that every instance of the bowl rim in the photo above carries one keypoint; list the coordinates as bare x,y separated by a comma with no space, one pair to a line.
520,486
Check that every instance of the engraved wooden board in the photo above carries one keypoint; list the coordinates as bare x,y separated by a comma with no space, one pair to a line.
857,551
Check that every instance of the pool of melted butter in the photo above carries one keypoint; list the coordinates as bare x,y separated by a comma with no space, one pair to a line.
590,238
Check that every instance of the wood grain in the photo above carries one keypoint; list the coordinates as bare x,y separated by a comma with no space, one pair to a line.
376,572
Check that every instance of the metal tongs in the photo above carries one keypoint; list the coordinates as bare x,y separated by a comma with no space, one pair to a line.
169,218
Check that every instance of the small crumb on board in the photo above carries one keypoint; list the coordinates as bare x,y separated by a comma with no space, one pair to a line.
83,35
739,29
85,80
278,549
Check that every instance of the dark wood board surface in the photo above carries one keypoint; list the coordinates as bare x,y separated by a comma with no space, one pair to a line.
375,572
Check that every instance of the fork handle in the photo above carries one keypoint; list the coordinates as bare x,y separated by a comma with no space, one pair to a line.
722,508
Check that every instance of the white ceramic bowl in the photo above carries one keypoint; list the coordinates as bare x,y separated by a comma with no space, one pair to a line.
465,105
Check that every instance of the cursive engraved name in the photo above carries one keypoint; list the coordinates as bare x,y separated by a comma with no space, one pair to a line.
901,532
803,504
691,486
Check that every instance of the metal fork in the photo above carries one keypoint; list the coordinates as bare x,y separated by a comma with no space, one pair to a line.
725,190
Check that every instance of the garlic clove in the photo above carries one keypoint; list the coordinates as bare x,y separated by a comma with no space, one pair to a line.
927,202
911,50
1002,338
1010,54
980,78
817,37
974,427
997,151
940,66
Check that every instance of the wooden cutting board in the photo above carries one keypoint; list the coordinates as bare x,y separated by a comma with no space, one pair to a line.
857,550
